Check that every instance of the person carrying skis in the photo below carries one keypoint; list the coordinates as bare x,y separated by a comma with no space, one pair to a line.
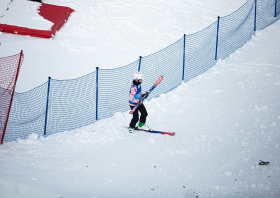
136,97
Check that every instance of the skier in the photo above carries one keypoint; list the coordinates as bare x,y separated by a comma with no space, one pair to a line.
136,97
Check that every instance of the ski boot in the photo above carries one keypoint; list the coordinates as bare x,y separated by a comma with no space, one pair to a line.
131,130
143,126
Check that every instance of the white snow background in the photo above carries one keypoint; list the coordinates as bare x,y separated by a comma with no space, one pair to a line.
226,120
24,14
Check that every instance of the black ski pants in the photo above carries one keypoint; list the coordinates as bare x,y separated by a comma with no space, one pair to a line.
141,108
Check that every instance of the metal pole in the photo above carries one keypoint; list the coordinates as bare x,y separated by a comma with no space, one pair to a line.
5,127
47,105
275,15
183,74
217,38
96,115
255,20
140,58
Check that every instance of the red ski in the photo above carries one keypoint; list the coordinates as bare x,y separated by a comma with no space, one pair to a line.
160,132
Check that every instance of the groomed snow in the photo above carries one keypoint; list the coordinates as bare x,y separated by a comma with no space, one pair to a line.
227,121
4,6
25,14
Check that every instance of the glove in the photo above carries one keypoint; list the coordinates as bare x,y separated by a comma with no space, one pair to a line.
145,94
140,101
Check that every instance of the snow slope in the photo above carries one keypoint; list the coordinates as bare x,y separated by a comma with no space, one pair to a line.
226,121
25,14
108,34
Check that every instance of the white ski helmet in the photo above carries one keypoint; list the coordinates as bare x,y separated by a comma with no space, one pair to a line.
138,76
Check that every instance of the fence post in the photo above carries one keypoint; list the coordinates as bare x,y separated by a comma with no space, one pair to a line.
47,105
140,58
184,54
217,38
275,15
255,20
96,105
6,123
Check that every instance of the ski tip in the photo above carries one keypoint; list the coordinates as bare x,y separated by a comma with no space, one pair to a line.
169,133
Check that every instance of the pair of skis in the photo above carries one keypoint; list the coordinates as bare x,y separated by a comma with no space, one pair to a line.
160,132
132,111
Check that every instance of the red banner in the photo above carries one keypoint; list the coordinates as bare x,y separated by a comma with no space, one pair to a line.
56,14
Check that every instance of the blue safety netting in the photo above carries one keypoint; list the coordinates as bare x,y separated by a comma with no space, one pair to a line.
266,13
200,52
72,104
27,114
277,7
167,63
236,29
113,89
62,105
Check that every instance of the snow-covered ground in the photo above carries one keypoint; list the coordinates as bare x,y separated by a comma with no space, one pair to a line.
226,120
108,34
24,14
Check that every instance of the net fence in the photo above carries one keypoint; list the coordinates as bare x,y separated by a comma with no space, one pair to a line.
62,105
266,13
9,68
277,8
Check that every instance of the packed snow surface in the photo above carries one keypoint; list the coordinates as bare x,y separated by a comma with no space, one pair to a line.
227,124
25,14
